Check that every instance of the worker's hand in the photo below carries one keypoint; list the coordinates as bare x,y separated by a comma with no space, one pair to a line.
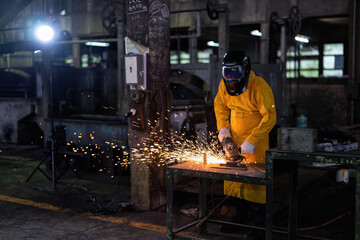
247,148
230,148
223,133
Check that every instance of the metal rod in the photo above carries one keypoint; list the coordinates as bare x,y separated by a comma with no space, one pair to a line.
53,163
211,213
357,203
312,237
52,137
239,225
293,196
169,204
269,197
186,226
202,206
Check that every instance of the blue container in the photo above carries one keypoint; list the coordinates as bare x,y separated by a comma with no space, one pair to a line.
301,121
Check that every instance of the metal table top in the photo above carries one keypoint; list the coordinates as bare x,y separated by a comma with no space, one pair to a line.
255,173
347,158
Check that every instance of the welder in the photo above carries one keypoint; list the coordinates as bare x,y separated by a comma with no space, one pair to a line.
245,114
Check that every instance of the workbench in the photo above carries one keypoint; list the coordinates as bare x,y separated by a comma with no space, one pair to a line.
344,160
255,174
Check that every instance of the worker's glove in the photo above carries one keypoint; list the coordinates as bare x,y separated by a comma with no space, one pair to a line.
247,148
223,133
230,148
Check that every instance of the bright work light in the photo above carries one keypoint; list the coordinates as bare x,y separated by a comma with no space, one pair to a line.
212,44
256,33
44,33
97,44
301,38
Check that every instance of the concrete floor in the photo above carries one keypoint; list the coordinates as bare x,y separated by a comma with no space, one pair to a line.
96,206
76,209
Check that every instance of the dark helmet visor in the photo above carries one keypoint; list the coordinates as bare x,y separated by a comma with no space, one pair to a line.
232,73
235,78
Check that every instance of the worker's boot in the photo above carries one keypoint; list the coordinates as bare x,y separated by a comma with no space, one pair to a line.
241,215
258,221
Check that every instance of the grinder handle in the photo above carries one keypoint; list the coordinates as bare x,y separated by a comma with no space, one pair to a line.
241,157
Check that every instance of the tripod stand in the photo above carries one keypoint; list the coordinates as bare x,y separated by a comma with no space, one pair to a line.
53,141
51,153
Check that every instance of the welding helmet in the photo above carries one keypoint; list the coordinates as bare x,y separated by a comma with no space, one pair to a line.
235,72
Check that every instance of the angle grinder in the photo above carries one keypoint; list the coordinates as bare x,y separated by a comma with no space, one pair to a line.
232,156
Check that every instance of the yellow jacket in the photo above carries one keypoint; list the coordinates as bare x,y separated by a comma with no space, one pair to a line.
250,116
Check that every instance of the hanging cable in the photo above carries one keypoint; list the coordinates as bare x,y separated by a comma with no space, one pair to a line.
317,226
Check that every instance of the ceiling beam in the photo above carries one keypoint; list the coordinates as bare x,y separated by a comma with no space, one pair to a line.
13,12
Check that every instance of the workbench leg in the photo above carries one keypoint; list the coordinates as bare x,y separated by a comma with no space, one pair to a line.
357,205
269,197
169,203
202,204
293,199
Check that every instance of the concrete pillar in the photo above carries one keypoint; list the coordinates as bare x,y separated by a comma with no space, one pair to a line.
159,45
148,178
265,38
192,47
140,174
264,43
223,29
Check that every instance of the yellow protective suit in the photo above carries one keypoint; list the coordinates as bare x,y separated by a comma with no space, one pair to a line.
250,116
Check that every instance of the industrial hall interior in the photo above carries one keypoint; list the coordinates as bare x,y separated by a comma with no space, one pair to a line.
180,119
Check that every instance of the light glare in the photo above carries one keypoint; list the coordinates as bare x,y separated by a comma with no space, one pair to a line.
44,33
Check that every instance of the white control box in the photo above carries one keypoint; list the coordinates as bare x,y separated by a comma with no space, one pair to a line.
134,69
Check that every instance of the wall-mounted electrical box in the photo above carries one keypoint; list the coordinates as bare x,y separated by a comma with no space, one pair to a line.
135,73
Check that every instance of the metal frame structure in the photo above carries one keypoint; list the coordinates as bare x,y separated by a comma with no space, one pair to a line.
348,159
254,175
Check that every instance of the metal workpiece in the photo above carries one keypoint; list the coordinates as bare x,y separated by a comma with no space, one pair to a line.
254,174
